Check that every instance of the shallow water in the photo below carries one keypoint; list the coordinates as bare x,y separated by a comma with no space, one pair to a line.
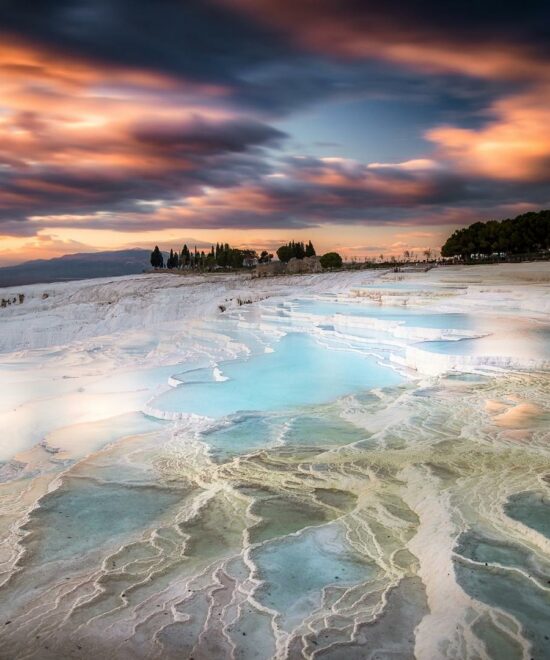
298,372
408,316
532,508
294,587
534,342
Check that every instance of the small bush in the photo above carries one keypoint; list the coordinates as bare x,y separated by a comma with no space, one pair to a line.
331,260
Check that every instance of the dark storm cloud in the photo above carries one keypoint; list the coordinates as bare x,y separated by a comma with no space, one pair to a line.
194,39
214,41
354,27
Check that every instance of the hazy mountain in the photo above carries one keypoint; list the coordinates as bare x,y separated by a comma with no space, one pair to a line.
76,267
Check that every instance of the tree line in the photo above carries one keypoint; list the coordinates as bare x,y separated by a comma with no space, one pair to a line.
223,256
526,233
295,250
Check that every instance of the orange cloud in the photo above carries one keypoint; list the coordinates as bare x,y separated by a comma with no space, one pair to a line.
41,246
79,138
514,145
59,111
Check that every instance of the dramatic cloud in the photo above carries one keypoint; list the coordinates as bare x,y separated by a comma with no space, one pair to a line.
87,149
513,145
131,116
486,39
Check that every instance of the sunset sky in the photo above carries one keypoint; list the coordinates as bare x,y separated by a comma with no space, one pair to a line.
369,127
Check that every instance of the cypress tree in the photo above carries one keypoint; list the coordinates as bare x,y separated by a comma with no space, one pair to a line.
157,260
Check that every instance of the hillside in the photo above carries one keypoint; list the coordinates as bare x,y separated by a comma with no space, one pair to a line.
76,267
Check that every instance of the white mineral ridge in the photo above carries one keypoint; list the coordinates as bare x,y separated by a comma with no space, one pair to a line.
60,313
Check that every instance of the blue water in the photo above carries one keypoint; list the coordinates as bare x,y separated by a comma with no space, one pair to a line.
296,570
254,431
536,339
482,549
83,515
540,339
242,436
299,372
406,315
532,509
308,430
458,347
142,379
513,593
405,286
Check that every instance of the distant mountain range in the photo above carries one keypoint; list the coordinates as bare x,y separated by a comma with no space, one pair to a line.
76,267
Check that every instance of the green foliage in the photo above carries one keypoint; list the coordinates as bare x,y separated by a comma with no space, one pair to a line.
285,253
529,232
228,257
222,255
295,249
331,260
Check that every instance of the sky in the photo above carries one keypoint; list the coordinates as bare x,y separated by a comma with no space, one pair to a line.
369,127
